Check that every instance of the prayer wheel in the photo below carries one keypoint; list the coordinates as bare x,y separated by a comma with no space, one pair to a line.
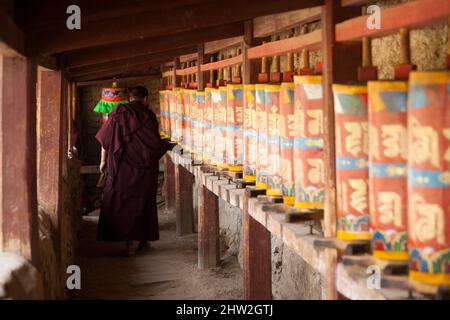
387,168
272,103
208,131
261,156
250,133
350,104
162,106
235,132
111,98
185,122
172,99
308,143
191,114
199,125
219,97
287,133
179,115
429,177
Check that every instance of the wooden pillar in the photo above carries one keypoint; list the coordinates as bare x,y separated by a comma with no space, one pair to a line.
184,205
257,258
340,64
200,61
18,194
176,65
257,255
169,183
50,142
208,229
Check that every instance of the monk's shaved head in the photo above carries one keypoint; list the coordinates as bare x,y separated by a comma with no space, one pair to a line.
138,93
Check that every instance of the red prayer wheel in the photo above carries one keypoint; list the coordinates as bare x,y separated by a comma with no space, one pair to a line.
350,104
287,134
208,131
308,143
429,177
387,168
219,97
199,125
272,102
250,133
261,158
235,132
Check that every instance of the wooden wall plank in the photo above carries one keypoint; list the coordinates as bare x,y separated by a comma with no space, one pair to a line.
18,189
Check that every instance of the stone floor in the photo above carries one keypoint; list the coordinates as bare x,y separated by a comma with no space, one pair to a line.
168,270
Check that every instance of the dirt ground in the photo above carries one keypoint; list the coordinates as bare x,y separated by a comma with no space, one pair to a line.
168,270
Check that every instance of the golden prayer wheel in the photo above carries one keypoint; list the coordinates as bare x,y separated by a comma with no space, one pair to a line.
219,102
250,133
199,125
287,134
208,130
235,134
261,155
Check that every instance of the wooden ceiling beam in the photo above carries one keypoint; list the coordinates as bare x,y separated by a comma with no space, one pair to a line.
129,71
161,56
139,26
12,39
149,46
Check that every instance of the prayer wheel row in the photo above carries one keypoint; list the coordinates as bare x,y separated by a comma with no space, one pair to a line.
392,168
392,155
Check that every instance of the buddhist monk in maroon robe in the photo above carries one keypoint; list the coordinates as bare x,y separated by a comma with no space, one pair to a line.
131,149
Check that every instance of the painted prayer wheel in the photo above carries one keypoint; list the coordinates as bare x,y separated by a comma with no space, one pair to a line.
219,97
272,102
287,134
208,131
387,168
162,106
235,132
199,125
111,98
169,99
185,124
429,177
352,174
308,143
262,152
173,116
192,117
179,92
250,133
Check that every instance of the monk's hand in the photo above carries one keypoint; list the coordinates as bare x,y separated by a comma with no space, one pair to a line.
102,166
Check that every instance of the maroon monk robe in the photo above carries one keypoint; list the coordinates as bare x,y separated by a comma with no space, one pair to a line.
131,138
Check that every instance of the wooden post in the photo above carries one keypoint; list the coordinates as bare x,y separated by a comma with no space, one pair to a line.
50,142
200,61
208,229
18,188
176,65
257,255
340,64
169,183
184,204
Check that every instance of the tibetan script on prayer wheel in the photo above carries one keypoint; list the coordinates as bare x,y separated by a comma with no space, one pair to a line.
287,134
350,105
261,155
308,142
199,126
387,168
219,98
272,102
235,132
208,133
429,177
250,133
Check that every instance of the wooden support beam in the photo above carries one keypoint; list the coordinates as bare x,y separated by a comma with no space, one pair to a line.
410,15
184,205
340,65
188,57
309,41
50,142
122,80
200,61
169,183
222,63
176,65
149,45
131,62
257,257
139,26
274,23
18,189
208,229
217,45
12,39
